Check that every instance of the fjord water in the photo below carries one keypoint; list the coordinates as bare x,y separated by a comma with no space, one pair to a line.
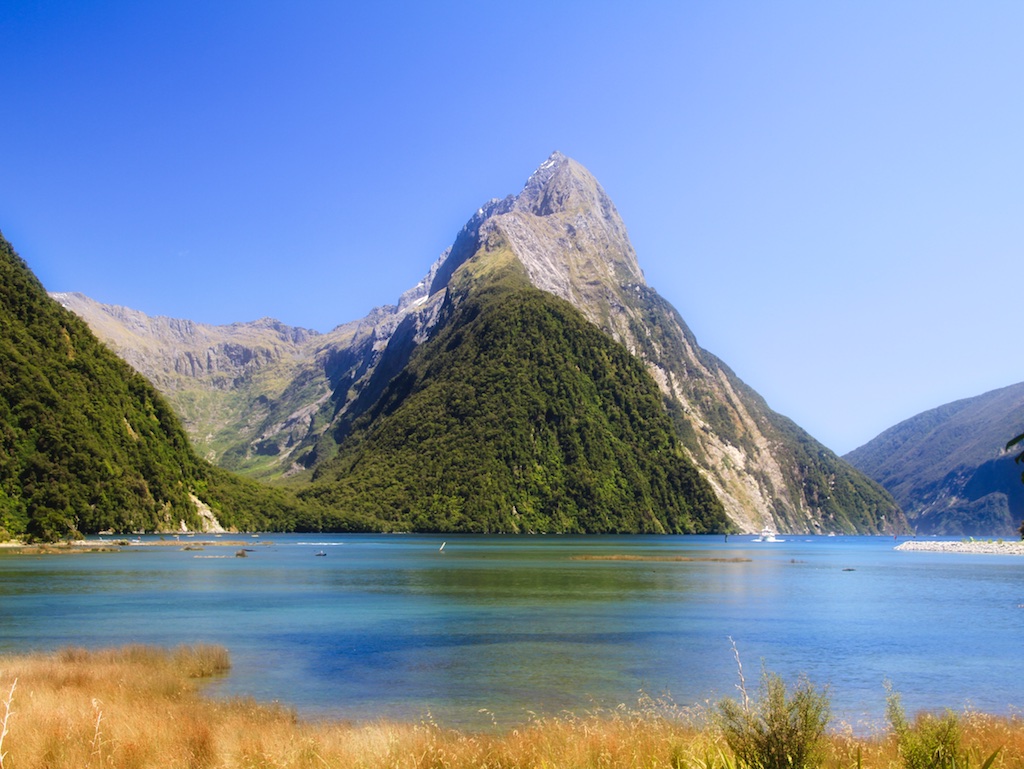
497,628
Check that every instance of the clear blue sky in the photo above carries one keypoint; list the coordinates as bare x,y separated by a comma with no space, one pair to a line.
832,194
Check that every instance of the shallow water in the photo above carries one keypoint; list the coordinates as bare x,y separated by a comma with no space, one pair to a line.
501,627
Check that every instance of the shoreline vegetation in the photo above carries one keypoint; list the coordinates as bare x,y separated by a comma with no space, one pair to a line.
139,706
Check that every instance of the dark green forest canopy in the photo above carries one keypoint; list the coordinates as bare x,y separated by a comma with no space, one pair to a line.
517,416
87,444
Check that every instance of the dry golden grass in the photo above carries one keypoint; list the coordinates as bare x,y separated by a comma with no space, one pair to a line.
141,707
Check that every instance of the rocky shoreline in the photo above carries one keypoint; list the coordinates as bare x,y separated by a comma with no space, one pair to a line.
965,546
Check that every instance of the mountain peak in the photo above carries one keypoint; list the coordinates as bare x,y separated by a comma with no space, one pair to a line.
568,235
561,185
540,178
564,229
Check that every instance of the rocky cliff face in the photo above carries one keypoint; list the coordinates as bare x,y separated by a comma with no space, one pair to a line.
265,398
174,353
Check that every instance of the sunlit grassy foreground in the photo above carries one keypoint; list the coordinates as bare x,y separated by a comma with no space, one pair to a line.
141,707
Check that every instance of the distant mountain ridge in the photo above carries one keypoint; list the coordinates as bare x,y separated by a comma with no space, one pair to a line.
948,467
294,399
231,384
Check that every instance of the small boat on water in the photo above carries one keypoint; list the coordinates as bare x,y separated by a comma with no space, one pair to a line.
767,535
321,553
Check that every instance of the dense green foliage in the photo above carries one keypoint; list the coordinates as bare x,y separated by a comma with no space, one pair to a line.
932,741
517,416
779,730
86,443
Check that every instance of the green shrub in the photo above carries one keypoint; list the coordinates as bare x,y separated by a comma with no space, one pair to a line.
779,730
932,742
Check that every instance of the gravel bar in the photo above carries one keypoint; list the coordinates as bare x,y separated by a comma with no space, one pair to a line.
967,546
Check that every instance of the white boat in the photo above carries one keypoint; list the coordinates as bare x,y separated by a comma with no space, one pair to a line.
767,535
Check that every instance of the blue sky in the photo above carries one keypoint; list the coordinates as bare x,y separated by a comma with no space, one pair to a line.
832,194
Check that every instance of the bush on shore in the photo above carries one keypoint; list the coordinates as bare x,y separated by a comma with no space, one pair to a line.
779,730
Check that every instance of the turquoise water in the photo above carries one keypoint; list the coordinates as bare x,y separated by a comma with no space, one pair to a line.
499,627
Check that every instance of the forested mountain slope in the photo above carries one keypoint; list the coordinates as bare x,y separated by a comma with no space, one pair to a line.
566,233
518,416
257,397
87,444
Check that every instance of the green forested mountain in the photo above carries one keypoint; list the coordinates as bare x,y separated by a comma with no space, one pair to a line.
357,408
87,444
518,415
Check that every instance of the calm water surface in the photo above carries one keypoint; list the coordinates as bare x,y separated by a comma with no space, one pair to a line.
393,626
